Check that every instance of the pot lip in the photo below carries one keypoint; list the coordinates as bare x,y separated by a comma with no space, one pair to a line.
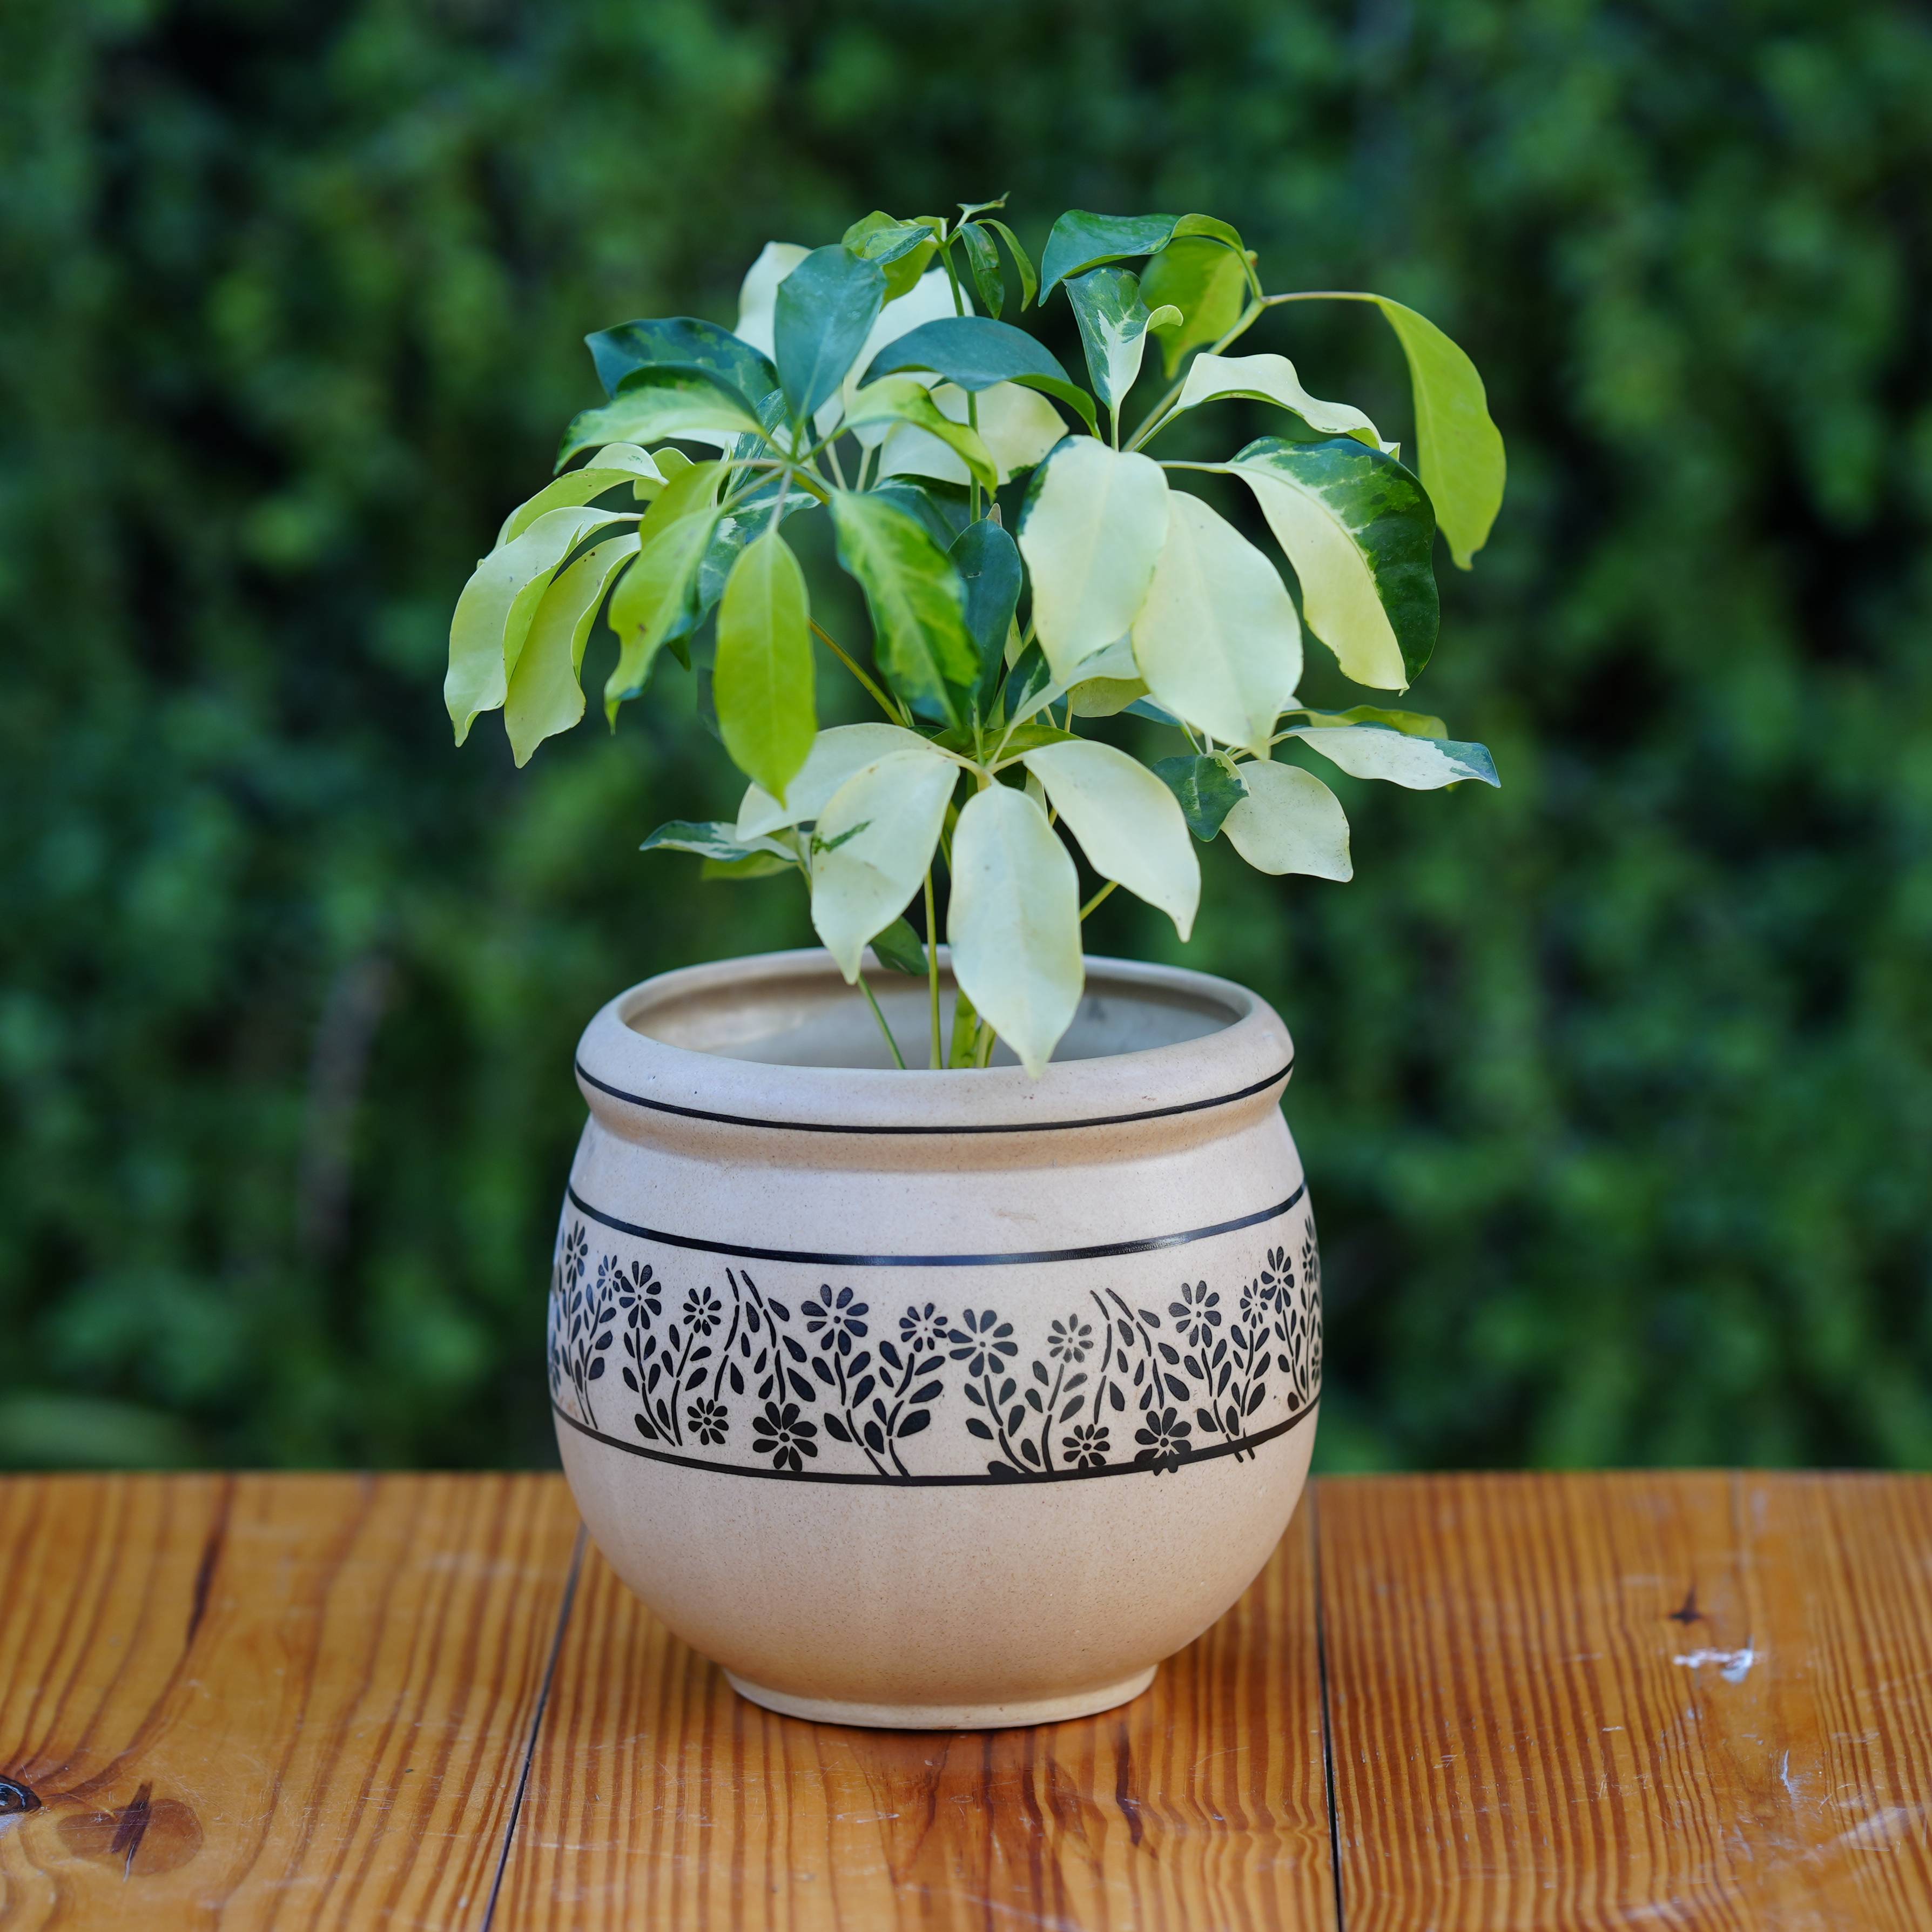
1249,1057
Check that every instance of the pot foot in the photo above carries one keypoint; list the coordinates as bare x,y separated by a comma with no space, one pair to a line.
947,1717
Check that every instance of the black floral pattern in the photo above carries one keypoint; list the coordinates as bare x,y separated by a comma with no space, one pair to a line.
1115,1387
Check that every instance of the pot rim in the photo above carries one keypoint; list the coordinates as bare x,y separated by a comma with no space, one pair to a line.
1248,1058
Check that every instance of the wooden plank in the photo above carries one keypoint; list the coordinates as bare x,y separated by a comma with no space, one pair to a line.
1597,1701
269,1700
658,1798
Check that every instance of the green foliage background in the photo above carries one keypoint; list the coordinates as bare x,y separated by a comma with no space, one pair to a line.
1615,1088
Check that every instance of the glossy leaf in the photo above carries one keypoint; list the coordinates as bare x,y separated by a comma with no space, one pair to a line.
757,297
1360,533
711,838
823,311
1127,822
897,947
901,249
493,615
1113,321
836,755
1080,240
1421,764
1205,789
1014,922
1271,379
1217,639
1206,281
982,257
680,341
1022,261
988,563
905,399
614,467
762,681
545,696
1017,426
1289,821
975,351
656,597
916,600
941,510
652,403
874,840
1091,533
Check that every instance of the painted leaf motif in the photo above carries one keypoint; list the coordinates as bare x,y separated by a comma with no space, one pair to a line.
1113,321
655,403
493,615
1289,821
1206,281
762,680
1014,922
1271,379
614,466
905,399
823,311
836,755
1217,639
680,341
874,840
545,696
916,600
1127,822
1360,533
1092,533
1421,764
1205,789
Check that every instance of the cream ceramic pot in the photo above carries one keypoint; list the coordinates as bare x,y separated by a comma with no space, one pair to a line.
934,1399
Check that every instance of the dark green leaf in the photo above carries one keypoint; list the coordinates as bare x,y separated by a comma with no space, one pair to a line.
1207,791
710,839
679,341
825,309
1022,261
943,509
967,209
982,257
1027,680
898,947
1113,321
916,600
988,563
975,352
1080,240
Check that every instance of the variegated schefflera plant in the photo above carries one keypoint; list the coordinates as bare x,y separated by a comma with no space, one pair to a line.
863,380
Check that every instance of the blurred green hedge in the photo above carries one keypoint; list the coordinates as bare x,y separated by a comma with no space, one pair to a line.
1615,1088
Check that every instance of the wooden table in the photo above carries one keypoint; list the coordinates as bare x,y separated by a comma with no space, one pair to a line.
1449,1702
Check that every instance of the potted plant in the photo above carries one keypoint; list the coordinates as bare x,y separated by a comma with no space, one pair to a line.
934,1331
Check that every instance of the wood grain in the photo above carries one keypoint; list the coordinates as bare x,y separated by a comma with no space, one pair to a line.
269,1701
658,1798
1599,1701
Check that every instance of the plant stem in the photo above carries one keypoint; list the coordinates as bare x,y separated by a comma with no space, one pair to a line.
891,1044
1098,897
932,966
896,712
1156,418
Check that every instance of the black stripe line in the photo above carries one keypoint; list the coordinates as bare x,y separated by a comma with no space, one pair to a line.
867,1478
1103,1251
1000,1127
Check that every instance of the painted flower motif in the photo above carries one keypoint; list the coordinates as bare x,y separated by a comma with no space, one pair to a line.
1311,1261
703,1310
783,1434
1279,1268
1197,1314
1069,1341
708,1421
983,1343
1087,1447
838,1318
920,1328
1256,1299
1164,1438
576,1251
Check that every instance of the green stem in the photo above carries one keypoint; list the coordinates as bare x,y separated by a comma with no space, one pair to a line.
932,964
1157,417
896,712
891,1044
1102,894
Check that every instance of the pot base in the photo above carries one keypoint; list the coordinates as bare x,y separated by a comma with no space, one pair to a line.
945,1717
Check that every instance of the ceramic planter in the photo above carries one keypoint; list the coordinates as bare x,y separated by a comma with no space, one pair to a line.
938,1399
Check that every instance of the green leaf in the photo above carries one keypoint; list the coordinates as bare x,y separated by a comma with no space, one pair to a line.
1091,531
653,403
1205,789
1113,321
1360,533
1290,822
1207,282
614,467
1029,677
967,209
835,756
989,564
757,296
875,839
762,681
898,947
901,248
754,866
939,509
712,838
906,399
747,521
1022,261
823,311
1460,451
1014,922
1017,426
1271,379
679,341
1415,724
1421,764
656,597
1217,639
975,351
916,600
1127,822
982,257
545,696
493,613
1080,240
1030,736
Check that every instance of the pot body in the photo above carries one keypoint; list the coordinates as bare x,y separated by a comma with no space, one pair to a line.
934,1399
